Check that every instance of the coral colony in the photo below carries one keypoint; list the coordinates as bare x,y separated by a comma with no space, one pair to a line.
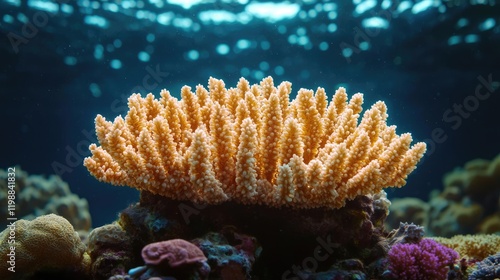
252,145
219,166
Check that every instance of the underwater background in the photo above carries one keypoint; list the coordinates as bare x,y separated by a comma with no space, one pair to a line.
435,63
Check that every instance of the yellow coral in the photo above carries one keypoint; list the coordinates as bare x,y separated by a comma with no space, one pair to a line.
251,144
47,242
476,247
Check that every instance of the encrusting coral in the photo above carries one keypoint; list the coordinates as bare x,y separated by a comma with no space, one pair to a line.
252,145
174,252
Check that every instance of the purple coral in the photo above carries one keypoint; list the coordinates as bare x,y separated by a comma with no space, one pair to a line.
425,260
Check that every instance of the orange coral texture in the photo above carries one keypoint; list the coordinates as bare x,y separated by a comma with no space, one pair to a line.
253,145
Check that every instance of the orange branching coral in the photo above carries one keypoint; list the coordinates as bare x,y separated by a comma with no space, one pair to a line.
251,144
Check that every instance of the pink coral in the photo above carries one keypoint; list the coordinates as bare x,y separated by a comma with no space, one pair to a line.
176,252
425,260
